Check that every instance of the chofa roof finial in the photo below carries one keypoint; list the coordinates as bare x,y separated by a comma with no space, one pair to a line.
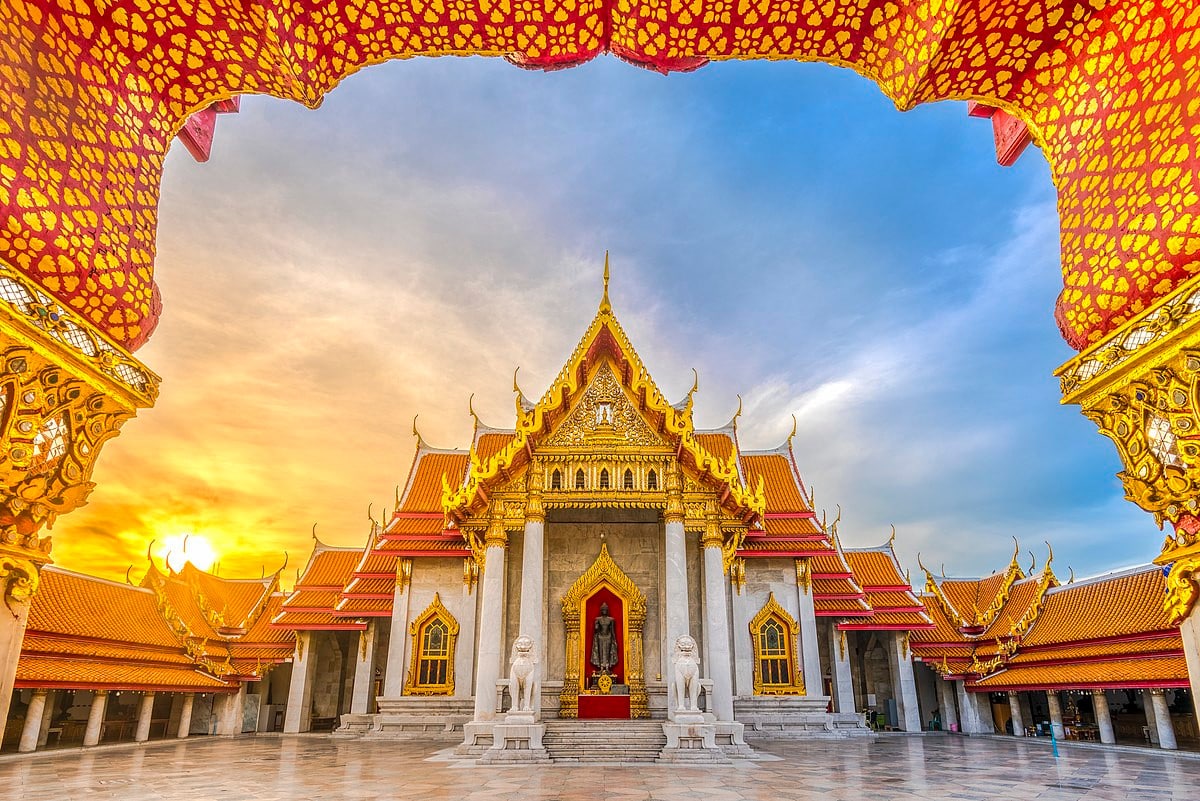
605,306
416,433
892,539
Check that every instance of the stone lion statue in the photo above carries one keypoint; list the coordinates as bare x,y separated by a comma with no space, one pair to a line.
686,684
522,676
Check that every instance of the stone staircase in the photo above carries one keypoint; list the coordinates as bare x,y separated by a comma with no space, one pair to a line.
571,741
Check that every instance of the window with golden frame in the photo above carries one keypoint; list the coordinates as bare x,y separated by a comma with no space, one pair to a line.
434,634
773,634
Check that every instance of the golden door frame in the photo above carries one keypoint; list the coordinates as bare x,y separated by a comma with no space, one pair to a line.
604,572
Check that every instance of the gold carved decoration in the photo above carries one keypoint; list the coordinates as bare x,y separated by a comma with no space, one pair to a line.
782,658
737,574
20,579
804,574
470,573
604,415
431,666
604,572
1141,386
404,568
65,389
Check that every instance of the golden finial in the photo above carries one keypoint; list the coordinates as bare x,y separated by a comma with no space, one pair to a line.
907,576
837,519
149,548
892,539
1071,580
921,565
1049,555
1032,562
471,409
284,565
605,306
416,433
736,414
792,435
127,579
314,533
516,386
396,508
695,382
943,569
1016,553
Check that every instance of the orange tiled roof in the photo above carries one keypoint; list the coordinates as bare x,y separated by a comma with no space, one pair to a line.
329,567
424,490
77,673
944,630
719,444
844,607
779,481
1119,605
1169,643
877,567
491,443
237,599
902,621
83,606
1163,671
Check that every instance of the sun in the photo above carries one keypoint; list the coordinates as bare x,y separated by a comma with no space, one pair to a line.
179,549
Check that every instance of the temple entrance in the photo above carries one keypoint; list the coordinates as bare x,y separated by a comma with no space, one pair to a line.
604,613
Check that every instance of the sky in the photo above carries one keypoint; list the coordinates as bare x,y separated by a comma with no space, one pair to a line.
437,223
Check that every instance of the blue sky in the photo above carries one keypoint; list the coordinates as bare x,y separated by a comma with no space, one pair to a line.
778,226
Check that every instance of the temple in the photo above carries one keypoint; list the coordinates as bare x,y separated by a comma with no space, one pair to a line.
602,568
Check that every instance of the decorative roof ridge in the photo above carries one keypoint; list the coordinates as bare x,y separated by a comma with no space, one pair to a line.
125,585
1119,573
264,580
933,588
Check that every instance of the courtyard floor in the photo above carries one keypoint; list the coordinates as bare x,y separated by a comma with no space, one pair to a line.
318,767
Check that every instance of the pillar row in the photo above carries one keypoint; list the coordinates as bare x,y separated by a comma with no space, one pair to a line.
1162,720
298,717
843,678
1014,709
491,624
364,670
1056,716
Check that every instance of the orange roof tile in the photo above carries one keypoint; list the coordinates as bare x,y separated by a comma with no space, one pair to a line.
85,606
792,527
1164,671
1117,605
718,444
374,586
876,567
1163,644
491,443
848,607
779,481
235,599
38,671
424,490
944,630
314,620
369,607
329,567
905,621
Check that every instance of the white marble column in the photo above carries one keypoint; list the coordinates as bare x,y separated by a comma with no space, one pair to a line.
1014,710
533,571
1056,720
47,718
491,626
1189,629
232,706
810,653
185,716
397,664
1162,719
95,721
975,710
946,700
12,635
717,621
908,712
675,578
464,651
145,714
743,654
843,679
364,671
32,730
298,717
1103,717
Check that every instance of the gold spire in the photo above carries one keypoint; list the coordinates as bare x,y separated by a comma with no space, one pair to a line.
605,306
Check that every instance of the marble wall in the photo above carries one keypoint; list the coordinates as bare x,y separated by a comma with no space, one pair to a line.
443,577
635,542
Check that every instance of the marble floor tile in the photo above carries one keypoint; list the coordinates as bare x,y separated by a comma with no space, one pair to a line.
321,768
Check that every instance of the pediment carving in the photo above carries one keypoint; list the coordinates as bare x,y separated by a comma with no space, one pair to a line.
604,415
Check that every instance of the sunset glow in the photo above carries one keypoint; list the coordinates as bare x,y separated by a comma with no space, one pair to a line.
180,549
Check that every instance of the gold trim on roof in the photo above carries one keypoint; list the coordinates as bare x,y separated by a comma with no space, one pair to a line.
458,502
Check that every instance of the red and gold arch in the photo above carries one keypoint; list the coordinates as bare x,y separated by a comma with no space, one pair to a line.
92,93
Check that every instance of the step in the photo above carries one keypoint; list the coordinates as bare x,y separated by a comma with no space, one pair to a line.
604,741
